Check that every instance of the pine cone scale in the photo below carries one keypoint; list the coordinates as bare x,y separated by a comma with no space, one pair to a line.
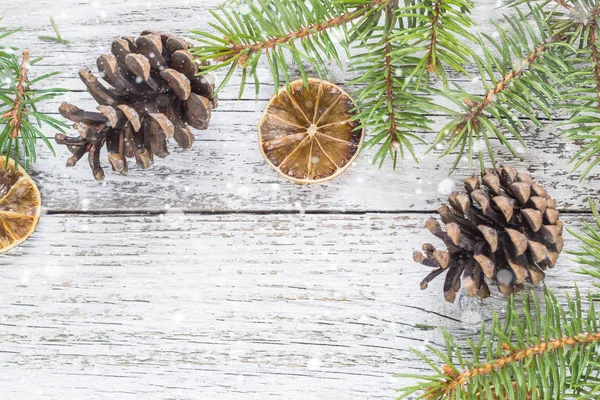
139,65
151,47
76,114
132,116
534,218
452,282
183,62
111,114
101,94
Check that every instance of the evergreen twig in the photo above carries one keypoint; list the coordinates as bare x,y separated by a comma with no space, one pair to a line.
270,27
14,115
394,72
583,95
58,38
529,87
394,114
20,121
544,351
589,255
437,33
523,70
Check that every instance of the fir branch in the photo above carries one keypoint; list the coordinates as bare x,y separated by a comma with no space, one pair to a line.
388,72
433,42
583,95
549,354
542,349
526,89
20,121
595,56
270,27
393,112
241,52
436,31
14,114
589,255
479,107
416,40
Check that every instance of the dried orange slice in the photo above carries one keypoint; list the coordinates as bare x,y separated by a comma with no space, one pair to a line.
308,134
20,205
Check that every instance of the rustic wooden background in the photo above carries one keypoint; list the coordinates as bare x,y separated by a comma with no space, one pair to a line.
209,276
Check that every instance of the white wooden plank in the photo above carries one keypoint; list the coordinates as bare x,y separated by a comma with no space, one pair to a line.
253,306
224,171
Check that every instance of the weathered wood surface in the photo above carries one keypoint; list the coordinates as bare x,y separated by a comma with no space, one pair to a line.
224,306
243,296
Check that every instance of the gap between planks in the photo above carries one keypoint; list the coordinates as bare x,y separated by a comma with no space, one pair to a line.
119,213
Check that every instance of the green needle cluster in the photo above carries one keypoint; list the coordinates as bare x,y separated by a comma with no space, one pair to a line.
20,121
402,53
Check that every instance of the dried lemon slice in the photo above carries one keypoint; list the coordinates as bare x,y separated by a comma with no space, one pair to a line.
20,205
309,134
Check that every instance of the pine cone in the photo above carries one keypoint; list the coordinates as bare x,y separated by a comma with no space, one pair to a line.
155,94
505,228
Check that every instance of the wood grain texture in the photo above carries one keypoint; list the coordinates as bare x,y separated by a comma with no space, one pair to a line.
211,277
226,306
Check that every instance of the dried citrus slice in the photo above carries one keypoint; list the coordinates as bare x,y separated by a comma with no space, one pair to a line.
308,134
20,205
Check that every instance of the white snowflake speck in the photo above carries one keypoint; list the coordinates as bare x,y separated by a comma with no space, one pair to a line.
244,9
504,277
178,317
313,363
243,191
471,317
445,187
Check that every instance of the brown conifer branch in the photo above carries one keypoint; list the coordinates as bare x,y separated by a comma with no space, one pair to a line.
478,396
238,50
595,56
389,80
563,4
478,108
457,380
15,112
433,42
